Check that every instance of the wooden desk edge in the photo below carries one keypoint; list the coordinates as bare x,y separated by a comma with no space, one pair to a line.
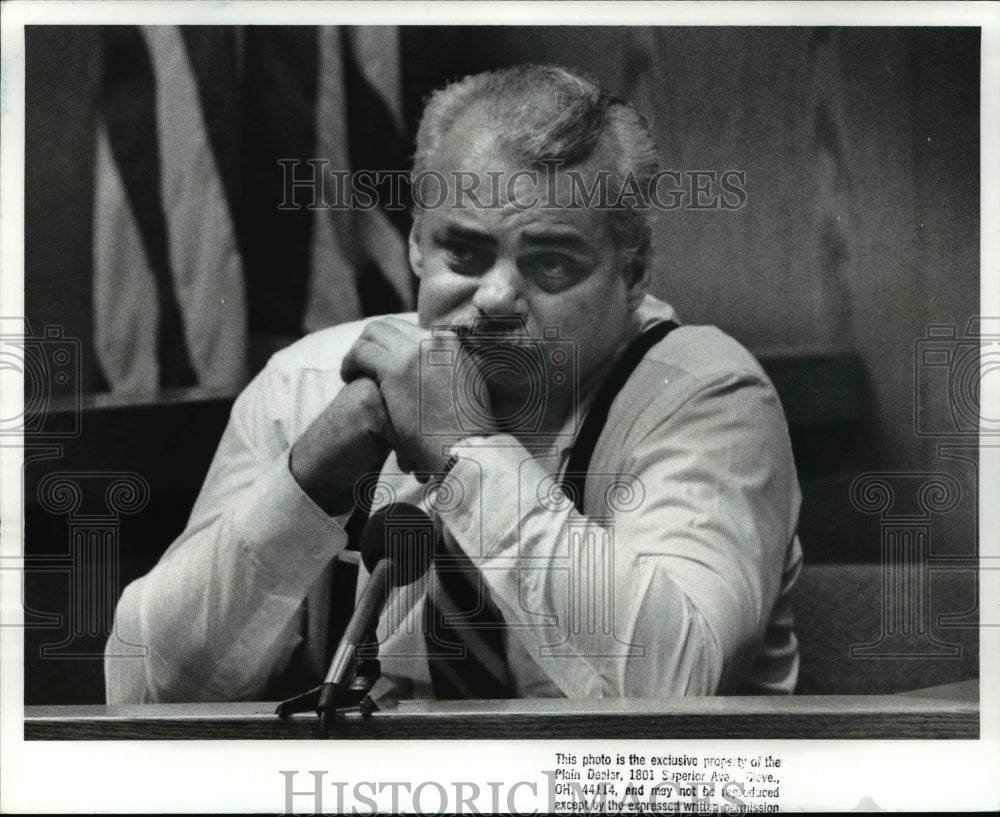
856,716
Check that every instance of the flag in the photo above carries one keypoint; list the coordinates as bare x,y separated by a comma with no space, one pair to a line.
199,273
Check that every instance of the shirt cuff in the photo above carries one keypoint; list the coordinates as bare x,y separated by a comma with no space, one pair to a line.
287,534
480,499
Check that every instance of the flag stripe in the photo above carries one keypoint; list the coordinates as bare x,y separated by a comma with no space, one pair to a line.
206,268
333,295
374,130
62,77
375,293
281,67
212,54
124,289
376,144
129,109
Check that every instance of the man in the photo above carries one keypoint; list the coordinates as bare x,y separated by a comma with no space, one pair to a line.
668,572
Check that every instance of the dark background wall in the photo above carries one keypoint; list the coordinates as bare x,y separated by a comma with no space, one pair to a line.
860,229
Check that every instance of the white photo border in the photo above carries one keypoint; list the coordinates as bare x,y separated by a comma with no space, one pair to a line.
243,776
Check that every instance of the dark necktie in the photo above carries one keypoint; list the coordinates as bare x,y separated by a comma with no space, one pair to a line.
464,631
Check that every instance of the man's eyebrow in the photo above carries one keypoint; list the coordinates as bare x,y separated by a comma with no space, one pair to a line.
566,241
457,232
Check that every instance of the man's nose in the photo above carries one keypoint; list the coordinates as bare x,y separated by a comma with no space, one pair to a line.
499,289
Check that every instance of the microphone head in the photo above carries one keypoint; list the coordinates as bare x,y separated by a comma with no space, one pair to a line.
403,535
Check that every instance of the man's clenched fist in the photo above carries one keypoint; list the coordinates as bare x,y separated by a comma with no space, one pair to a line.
418,374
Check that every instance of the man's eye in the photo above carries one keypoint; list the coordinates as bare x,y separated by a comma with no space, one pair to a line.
552,271
465,258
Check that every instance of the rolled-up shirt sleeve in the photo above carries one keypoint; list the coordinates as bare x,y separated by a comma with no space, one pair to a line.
220,613
666,586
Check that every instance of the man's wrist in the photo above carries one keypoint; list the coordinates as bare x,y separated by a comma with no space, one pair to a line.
339,447
438,475
487,468
449,464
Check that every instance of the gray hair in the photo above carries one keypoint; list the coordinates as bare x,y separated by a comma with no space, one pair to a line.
545,114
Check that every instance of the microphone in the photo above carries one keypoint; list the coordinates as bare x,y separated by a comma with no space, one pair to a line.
396,547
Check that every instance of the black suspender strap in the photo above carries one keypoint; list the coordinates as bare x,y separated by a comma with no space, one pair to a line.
583,448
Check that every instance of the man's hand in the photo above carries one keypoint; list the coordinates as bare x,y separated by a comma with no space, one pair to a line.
421,399
348,440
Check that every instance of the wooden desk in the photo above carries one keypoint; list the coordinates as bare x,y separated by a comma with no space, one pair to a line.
947,712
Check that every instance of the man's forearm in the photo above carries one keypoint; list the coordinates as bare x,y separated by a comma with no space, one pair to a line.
342,444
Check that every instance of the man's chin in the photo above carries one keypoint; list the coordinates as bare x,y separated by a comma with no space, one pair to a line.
507,364
509,386
518,403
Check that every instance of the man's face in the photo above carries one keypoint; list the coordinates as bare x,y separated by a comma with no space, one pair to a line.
537,267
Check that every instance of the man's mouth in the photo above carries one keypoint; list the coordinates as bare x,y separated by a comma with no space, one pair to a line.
494,332
479,344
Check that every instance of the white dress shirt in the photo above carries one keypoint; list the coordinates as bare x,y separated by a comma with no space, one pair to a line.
675,582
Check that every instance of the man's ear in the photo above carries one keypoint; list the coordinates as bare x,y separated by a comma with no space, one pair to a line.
413,242
637,274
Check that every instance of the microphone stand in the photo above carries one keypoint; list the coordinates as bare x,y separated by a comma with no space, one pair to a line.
328,699
394,560
355,666
344,671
